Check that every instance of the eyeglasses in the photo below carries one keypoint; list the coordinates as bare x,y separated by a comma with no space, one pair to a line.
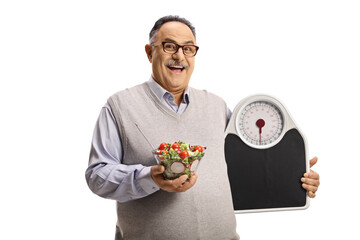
172,48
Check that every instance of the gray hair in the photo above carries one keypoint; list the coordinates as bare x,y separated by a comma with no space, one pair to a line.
169,18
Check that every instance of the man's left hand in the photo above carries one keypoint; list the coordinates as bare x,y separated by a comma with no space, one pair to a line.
311,180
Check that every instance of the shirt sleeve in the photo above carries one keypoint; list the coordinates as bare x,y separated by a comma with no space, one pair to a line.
106,176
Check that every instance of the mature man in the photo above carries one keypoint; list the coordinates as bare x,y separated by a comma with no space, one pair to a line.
121,165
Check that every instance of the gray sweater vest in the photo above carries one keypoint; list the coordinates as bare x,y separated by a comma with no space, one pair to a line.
203,212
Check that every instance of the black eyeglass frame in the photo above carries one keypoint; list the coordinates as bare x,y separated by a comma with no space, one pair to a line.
177,49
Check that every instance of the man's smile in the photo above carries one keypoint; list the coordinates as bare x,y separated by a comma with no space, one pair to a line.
176,69
175,66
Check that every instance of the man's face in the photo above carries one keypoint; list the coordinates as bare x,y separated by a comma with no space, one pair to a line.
165,66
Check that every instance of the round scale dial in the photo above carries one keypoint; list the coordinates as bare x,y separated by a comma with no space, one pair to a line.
260,123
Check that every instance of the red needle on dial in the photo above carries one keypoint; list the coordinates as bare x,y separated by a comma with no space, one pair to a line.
260,123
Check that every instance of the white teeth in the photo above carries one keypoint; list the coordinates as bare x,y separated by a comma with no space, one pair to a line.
176,66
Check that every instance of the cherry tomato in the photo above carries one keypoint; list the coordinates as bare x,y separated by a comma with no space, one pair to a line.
163,146
162,153
199,148
175,146
184,154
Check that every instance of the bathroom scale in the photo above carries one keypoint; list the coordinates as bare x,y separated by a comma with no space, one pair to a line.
266,155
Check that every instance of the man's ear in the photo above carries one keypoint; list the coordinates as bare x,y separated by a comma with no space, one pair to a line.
148,50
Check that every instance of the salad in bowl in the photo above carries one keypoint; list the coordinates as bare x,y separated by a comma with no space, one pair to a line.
178,158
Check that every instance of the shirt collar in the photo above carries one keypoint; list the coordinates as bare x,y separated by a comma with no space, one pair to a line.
161,93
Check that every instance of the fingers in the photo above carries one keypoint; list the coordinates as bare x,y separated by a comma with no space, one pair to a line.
313,161
157,169
311,194
189,183
311,182
310,188
156,174
180,184
312,175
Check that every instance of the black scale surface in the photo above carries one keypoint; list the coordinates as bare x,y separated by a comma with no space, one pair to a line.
266,178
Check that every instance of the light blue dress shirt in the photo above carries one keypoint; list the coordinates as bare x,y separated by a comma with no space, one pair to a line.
106,175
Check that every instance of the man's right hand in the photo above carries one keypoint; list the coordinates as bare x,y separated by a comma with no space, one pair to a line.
177,185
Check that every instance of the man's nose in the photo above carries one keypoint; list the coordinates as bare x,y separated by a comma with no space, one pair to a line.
179,55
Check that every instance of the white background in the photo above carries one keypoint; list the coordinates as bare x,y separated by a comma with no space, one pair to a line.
60,60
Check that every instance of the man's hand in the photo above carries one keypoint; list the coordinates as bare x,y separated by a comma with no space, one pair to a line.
177,185
311,180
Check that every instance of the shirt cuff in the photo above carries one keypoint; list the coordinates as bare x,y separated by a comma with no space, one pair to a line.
146,182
